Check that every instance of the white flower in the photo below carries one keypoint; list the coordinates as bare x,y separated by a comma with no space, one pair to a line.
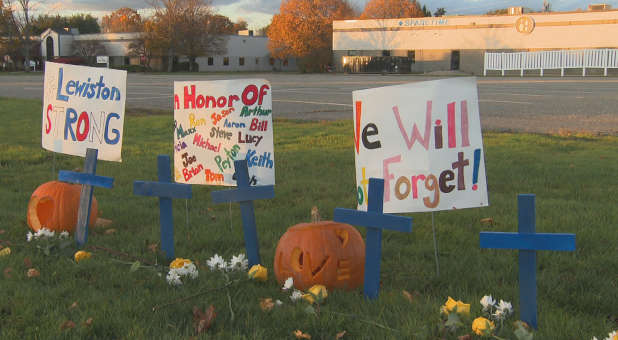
289,282
239,262
64,234
29,236
499,315
612,335
487,301
505,307
173,278
296,295
594,338
216,262
278,302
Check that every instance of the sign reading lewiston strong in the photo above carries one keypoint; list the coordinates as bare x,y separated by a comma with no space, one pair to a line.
219,122
424,139
83,107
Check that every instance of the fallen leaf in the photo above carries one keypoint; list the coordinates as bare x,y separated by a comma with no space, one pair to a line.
202,321
102,222
300,335
407,295
73,305
465,337
5,252
88,322
33,273
27,262
110,231
266,304
153,247
340,335
2,231
67,325
487,220
7,272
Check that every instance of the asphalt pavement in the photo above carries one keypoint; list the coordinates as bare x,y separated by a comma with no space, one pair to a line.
528,104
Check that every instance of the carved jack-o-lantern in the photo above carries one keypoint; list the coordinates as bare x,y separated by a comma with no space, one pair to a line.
54,205
328,253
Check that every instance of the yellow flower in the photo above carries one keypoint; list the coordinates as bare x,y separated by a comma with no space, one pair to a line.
448,306
81,255
463,308
179,263
5,252
257,272
482,326
318,292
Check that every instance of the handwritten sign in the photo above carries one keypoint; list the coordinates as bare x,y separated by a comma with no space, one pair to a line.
83,107
424,139
219,122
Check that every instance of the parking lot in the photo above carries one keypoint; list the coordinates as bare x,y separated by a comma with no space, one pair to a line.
529,104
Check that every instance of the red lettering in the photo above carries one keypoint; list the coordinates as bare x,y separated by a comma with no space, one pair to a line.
189,98
83,117
253,90
48,125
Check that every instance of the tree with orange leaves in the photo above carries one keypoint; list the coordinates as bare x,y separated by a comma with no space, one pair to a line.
304,29
122,20
391,9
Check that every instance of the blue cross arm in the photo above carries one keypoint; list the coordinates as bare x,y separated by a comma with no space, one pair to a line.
527,241
244,194
373,220
162,189
86,179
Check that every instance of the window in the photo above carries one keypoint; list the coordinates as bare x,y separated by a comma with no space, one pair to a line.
386,53
241,61
211,61
285,62
226,61
412,56
257,61
272,61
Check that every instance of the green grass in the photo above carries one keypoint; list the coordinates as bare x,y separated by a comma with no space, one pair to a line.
573,177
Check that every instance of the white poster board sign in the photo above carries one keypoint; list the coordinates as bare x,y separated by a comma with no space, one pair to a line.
219,122
424,139
83,107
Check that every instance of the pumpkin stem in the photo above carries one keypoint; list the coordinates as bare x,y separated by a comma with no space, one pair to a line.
315,215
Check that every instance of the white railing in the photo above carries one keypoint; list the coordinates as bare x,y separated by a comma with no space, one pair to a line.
551,60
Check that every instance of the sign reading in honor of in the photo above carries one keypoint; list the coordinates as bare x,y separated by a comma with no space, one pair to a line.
219,122
83,107
424,139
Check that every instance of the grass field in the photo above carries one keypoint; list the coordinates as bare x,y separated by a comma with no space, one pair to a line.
573,177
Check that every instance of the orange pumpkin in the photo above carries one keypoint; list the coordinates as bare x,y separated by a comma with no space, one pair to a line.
327,253
54,205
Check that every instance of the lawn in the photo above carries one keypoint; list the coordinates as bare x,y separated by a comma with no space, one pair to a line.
108,296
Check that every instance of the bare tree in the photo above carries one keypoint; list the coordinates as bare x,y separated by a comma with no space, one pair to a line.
88,49
22,23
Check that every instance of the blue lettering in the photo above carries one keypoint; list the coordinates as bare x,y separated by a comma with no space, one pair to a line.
70,86
59,95
71,118
115,131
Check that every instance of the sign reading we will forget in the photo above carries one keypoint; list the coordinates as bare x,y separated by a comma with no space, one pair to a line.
424,139
83,107
219,122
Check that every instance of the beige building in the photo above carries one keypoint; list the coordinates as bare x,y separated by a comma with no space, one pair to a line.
423,45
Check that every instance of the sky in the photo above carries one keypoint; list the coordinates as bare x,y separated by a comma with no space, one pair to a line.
258,13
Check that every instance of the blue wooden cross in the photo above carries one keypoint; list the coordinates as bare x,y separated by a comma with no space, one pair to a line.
245,194
165,190
87,179
528,242
375,220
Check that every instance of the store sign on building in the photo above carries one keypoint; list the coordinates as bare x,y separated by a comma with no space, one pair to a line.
423,22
